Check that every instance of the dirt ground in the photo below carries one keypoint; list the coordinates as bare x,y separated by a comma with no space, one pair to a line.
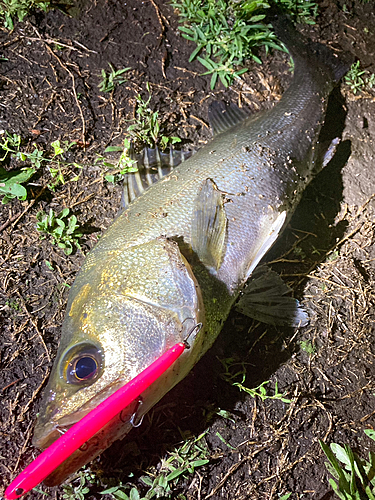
49,79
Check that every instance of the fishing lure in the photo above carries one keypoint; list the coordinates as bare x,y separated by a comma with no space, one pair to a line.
89,425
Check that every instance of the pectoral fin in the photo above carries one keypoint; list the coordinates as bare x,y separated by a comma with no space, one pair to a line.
266,298
209,226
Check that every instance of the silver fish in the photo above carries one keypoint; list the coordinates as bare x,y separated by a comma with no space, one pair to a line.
180,253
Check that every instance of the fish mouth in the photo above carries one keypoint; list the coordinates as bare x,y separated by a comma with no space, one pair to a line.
50,427
115,429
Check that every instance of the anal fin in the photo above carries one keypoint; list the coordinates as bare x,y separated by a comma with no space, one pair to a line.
266,298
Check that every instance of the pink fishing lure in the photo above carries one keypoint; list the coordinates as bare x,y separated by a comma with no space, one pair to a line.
89,425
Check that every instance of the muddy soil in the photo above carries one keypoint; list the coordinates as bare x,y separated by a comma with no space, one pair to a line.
50,71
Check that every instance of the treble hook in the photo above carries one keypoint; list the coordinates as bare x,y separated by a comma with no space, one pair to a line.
196,328
134,415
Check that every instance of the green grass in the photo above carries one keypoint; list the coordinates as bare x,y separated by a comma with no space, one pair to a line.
112,79
12,10
182,461
307,346
63,230
145,130
358,79
353,477
227,32
231,377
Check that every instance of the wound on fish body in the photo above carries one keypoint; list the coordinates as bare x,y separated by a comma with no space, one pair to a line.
150,280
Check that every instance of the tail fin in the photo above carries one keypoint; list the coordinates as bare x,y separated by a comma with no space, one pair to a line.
301,48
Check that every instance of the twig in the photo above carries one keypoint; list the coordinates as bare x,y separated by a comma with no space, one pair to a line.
34,324
83,138
16,218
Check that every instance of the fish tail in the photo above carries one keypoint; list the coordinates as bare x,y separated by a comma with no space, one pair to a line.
305,50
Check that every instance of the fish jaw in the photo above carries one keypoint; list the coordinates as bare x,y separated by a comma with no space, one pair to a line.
124,317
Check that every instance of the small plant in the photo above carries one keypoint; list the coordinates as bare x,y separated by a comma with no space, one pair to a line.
228,32
124,165
63,231
354,477
111,79
11,181
58,166
259,391
79,491
18,9
146,129
359,79
307,346
119,492
14,304
183,460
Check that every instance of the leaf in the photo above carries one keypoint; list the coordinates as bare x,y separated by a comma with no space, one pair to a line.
111,149
176,473
370,433
64,213
340,454
57,149
331,457
134,494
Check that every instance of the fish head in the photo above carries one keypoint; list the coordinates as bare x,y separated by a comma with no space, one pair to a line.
120,318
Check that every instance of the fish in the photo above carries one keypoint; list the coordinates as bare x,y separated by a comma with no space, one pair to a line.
177,257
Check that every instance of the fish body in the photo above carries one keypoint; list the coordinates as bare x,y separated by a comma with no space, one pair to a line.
180,253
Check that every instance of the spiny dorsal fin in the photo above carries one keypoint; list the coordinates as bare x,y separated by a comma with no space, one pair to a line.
152,165
266,298
222,116
209,226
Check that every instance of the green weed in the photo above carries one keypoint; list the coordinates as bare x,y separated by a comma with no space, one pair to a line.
112,79
229,32
14,304
11,181
307,346
10,10
146,129
64,231
259,391
115,171
359,79
119,492
183,460
86,478
354,478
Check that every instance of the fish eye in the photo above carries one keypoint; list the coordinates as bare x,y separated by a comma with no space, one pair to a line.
82,364
82,368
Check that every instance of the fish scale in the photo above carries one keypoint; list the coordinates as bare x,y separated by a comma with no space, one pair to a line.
180,253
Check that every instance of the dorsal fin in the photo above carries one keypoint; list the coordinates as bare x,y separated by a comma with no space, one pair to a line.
222,116
152,165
